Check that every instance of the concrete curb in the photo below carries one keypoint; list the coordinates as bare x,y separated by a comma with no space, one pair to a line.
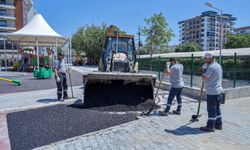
194,92
4,135
23,108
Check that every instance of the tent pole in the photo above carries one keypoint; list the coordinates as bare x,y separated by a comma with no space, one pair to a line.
17,48
70,53
12,53
37,53
53,54
56,49
5,57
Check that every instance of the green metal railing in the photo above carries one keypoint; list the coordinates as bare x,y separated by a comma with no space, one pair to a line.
236,69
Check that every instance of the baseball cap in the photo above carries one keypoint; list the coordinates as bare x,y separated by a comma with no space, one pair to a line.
208,55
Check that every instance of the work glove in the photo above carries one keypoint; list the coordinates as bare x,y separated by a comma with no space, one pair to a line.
204,68
168,65
58,79
68,70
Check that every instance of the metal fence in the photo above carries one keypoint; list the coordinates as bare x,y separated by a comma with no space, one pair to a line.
236,69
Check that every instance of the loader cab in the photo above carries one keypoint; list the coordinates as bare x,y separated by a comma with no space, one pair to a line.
119,54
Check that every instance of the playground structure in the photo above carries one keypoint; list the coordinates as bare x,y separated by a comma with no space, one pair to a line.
17,82
28,62
38,34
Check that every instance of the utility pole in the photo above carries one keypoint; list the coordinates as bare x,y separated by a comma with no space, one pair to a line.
139,35
221,26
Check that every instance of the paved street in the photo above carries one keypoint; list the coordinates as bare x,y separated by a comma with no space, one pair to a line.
29,83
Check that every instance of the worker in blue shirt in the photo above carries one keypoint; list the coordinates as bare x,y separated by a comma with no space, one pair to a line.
61,78
175,72
212,78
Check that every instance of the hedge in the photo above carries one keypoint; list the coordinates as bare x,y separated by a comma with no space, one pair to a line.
241,68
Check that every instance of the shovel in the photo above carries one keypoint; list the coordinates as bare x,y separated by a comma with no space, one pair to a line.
156,94
198,115
70,82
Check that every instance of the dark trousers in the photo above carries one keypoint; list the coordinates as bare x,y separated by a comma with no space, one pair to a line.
62,86
214,112
174,92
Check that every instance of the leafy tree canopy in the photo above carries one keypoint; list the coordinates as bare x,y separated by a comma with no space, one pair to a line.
157,33
189,47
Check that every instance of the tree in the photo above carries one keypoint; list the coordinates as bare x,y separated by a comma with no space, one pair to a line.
237,41
89,39
157,33
189,47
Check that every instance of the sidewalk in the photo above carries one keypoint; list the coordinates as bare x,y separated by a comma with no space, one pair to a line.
34,99
171,132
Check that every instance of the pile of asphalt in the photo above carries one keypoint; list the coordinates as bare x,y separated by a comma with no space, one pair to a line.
141,107
116,93
34,128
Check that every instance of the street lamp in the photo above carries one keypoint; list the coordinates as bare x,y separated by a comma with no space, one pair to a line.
221,27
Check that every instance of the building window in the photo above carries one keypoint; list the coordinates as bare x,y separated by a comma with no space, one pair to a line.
3,23
2,12
2,1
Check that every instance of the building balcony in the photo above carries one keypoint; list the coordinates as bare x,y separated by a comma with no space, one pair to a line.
8,4
7,26
7,16
7,29
7,7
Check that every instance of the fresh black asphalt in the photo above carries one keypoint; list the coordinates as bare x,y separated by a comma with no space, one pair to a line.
34,128
141,107
29,83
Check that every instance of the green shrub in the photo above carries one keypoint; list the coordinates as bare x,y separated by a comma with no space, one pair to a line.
241,69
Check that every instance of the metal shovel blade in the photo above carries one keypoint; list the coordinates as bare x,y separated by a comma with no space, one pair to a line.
195,118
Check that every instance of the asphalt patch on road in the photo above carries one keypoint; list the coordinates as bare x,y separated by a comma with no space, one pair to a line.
38,127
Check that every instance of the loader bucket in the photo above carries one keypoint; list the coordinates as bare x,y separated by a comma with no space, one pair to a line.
105,89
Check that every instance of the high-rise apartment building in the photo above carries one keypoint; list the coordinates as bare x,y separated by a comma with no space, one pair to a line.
242,30
14,14
24,12
7,18
205,29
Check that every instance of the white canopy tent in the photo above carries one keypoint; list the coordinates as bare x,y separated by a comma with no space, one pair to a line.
36,33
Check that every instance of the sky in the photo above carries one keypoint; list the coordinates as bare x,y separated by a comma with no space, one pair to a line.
66,16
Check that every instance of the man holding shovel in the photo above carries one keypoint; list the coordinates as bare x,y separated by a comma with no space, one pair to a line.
61,78
212,77
175,71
